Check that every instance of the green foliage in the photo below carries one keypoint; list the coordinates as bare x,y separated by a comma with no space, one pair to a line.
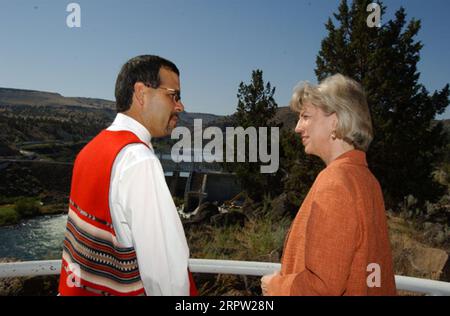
261,239
27,207
299,170
256,105
256,108
406,147
23,207
8,216
8,199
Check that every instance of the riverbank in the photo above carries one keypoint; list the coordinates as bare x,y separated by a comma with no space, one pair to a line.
38,238
25,208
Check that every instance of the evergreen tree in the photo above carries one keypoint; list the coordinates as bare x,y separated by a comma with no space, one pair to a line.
256,108
406,146
298,169
256,105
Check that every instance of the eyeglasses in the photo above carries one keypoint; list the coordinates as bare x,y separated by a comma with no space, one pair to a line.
175,94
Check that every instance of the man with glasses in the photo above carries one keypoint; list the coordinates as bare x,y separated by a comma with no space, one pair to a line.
124,236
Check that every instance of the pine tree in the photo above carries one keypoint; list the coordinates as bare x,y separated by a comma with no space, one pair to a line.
406,146
298,169
256,104
256,108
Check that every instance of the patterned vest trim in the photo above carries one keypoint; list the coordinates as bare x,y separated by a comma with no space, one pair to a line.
94,263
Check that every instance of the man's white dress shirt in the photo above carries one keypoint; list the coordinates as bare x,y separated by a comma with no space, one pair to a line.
144,215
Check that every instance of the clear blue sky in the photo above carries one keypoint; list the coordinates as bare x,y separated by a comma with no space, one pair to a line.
215,43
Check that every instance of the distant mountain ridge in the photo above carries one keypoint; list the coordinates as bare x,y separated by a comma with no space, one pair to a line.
49,109
20,97
10,96
39,116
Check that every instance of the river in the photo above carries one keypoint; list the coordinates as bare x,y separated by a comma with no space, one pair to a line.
38,238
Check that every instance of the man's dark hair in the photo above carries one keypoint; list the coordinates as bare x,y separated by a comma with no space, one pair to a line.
144,68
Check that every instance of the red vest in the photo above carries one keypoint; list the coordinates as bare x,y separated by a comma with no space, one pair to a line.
93,262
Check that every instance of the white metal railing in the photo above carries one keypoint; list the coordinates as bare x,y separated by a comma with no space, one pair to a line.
53,267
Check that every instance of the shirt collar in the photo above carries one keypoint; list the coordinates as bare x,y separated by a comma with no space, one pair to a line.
125,122
355,156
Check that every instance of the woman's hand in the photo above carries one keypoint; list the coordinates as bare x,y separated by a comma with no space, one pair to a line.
265,280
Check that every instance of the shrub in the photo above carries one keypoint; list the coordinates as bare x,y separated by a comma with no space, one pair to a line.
27,207
8,216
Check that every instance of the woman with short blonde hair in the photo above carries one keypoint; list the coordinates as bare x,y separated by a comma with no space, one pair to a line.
345,97
338,243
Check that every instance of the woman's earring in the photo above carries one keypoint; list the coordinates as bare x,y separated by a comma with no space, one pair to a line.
333,135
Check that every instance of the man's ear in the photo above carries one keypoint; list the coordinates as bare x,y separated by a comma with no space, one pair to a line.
138,92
